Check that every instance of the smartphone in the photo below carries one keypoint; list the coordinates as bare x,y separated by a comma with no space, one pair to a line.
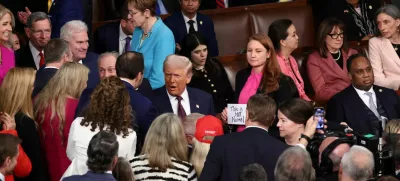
319,113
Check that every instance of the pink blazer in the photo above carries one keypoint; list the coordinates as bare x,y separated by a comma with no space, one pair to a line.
8,61
385,63
326,77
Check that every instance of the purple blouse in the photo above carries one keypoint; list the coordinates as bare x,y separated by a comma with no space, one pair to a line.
8,61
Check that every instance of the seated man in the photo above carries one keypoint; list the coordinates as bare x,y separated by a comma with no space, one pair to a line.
56,53
365,107
294,164
189,20
331,150
356,165
38,30
175,96
76,34
114,36
102,155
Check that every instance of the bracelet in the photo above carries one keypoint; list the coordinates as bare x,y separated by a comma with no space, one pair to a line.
305,137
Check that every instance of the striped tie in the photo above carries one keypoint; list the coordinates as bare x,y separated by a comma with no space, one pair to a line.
220,4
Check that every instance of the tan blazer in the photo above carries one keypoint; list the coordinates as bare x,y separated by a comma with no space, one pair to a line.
385,63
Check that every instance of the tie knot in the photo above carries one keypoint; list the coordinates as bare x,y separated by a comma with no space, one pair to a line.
179,98
191,22
368,94
40,54
128,38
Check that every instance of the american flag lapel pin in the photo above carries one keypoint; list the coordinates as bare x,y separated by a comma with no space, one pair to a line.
197,106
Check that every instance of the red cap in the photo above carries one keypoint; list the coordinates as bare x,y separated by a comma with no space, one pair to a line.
208,126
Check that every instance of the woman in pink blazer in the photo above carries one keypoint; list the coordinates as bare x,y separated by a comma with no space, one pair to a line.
326,67
384,50
284,37
7,59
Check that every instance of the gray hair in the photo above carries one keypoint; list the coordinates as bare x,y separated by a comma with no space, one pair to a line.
294,164
36,16
189,124
72,27
105,54
358,163
390,10
180,62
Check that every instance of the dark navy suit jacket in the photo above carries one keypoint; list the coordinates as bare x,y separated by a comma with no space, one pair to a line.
205,25
23,58
43,75
230,152
200,101
106,38
63,11
91,62
347,106
91,176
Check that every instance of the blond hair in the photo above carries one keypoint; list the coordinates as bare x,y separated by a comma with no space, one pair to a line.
165,139
16,91
199,154
4,11
393,126
69,81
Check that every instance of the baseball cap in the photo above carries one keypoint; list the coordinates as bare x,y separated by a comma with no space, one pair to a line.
208,126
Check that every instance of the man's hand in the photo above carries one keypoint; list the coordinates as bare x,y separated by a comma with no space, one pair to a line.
23,16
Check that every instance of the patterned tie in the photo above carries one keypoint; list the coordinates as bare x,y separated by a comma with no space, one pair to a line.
181,111
127,44
191,27
220,4
41,62
372,105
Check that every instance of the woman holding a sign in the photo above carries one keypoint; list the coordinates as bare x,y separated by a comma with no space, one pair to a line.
262,76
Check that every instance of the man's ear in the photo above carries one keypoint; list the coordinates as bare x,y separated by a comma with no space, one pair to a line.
189,139
123,23
7,162
349,75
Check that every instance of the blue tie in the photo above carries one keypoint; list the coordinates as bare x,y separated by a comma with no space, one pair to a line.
158,11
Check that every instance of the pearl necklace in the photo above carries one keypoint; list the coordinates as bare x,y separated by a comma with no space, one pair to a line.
340,54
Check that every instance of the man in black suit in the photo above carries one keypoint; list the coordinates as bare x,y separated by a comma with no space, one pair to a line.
189,20
38,30
175,96
114,36
76,34
56,52
365,107
8,154
229,153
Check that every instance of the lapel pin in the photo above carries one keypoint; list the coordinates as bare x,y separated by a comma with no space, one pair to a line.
370,7
346,11
380,90
201,22
197,106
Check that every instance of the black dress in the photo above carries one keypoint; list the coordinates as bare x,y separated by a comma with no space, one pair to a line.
27,131
215,83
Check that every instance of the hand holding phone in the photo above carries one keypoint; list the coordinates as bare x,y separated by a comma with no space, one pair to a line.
319,113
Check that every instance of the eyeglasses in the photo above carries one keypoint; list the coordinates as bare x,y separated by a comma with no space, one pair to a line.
336,36
38,32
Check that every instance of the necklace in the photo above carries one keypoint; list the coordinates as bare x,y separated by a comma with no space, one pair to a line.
395,46
340,54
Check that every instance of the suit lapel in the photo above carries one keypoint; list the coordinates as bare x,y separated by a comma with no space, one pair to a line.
164,97
336,68
380,94
29,56
386,45
194,107
182,26
357,102
115,40
199,21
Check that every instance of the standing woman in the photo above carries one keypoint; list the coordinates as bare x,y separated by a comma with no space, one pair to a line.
152,38
54,109
208,73
284,37
15,100
384,50
326,67
7,58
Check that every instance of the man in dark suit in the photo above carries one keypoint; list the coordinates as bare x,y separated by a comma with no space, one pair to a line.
38,30
365,107
56,52
167,6
63,11
75,33
175,96
114,36
102,157
189,20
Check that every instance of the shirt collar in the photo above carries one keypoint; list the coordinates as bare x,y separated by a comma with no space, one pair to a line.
187,19
362,92
185,95
257,127
34,51
50,67
2,177
122,35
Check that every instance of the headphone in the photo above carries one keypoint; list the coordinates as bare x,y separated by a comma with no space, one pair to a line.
326,164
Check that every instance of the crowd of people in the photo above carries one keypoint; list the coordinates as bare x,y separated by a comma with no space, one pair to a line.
150,100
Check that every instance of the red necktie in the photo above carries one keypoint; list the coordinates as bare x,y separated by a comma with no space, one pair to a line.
41,63
181,111
220,4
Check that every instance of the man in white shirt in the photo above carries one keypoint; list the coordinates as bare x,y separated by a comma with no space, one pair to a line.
9,152
38,30
365,107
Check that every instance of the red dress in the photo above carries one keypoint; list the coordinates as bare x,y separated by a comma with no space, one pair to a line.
54,146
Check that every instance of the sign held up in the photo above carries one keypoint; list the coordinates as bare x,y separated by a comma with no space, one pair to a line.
237,114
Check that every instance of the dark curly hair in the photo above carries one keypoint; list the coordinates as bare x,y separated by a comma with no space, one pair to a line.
109,108
102,150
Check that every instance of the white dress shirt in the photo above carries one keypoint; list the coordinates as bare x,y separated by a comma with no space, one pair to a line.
365,98
2,177
122,37
35,55
78,143
186,19
185,102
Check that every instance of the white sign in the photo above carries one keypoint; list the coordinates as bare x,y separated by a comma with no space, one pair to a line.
236,114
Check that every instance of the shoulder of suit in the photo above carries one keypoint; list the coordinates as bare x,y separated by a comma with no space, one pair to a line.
197,91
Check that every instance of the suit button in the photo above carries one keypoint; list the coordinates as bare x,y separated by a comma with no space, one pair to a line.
205,75
212,85
215,91
209,80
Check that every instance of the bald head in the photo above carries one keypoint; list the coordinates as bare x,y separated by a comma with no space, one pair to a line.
336,153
